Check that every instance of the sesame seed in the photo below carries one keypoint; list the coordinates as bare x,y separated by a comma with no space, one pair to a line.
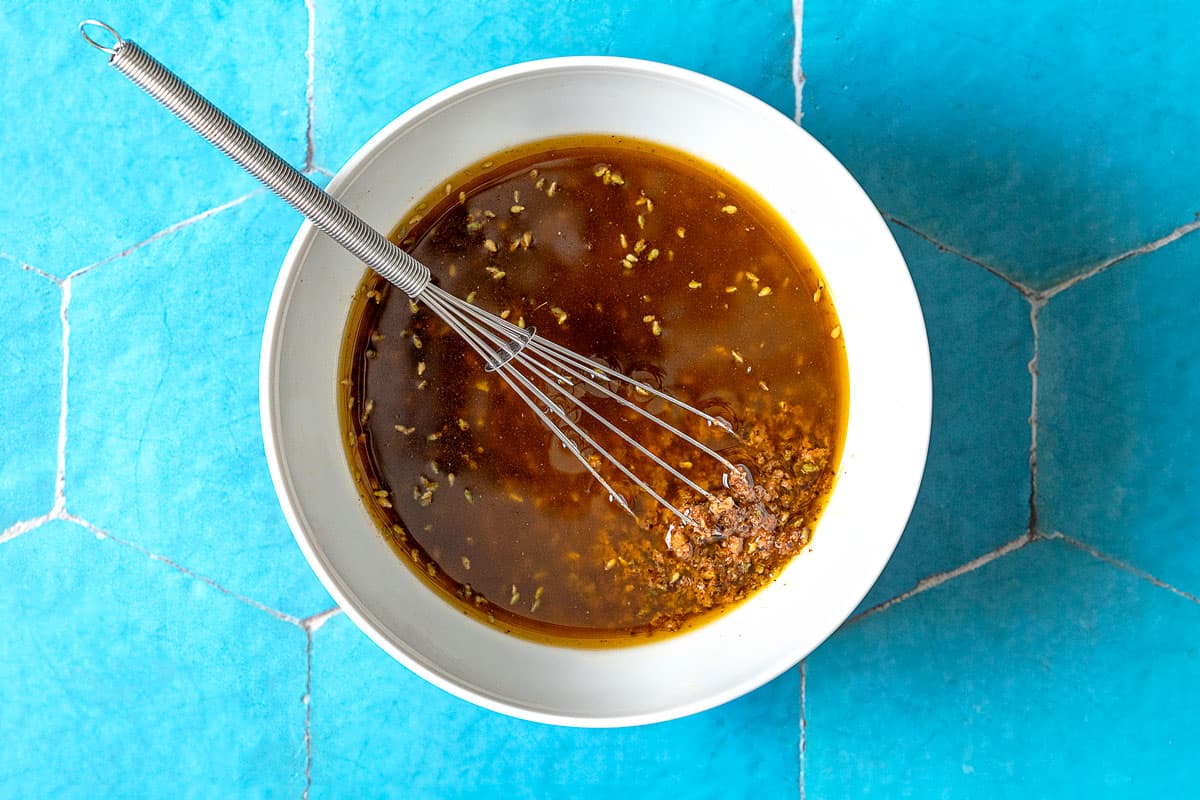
694,284
764,291
730,209
490,246
517,209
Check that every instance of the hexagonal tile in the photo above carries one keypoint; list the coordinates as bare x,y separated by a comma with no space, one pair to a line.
1045,673
120,167
1119,410
123,677
30,387
164,444
1039,142
975,493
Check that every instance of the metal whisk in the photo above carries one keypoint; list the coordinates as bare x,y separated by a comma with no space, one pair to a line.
527,362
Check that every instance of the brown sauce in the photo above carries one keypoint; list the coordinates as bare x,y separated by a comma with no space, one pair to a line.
659,265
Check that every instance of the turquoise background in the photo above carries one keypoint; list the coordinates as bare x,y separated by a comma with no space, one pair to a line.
1036,633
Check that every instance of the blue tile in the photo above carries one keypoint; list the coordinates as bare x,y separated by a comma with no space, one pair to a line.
93,165
375,724
121,677
1119,410
975,493
1047,673
165,445
30,383
1039,137
372,66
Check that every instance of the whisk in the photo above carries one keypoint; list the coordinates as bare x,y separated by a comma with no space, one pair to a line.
525,361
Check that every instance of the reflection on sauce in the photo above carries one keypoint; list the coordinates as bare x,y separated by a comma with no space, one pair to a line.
646,259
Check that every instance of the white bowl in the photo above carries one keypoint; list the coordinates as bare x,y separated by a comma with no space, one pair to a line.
886,440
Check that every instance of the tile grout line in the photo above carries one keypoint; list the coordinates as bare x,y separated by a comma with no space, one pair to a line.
1149,247
1035,308
938,578
310,626
1122,565
945,248
803,721
310,147
167,231
798,78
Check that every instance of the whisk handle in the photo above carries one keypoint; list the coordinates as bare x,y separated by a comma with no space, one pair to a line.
338,222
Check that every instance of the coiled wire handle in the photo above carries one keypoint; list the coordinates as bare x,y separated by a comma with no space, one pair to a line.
334,219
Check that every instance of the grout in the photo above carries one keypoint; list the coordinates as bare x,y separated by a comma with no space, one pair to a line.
803,720
30,268
1149,247
945,248
1035,309
798,78
937,579
1123,565
311,625
310,147
60,468
25,526
167,231
307,700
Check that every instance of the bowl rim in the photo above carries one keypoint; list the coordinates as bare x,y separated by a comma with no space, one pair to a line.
291,504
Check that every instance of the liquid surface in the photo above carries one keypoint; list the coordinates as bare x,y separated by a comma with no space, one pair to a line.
651,262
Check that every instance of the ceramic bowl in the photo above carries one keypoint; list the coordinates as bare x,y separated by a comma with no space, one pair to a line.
886,440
